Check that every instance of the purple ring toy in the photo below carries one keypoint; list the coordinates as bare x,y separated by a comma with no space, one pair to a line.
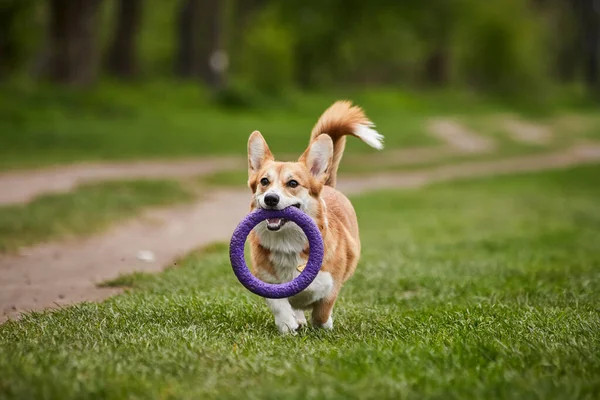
283,290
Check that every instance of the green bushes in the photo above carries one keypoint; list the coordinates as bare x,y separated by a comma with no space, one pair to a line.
517,48
267,60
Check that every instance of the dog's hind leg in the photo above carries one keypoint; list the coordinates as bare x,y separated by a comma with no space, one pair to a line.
321,314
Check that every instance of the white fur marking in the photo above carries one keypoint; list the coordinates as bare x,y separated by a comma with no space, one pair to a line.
328,324
285,317
290,239
325,213
370,136
300,317
256,153
317,290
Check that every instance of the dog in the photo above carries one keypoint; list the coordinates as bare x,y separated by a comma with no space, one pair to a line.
279,248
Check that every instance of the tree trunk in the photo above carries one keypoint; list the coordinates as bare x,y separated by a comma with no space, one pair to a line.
200,41
210,43
437,66
244,11
122,55
567,63
187,62
304,66
8,45
72,32
589,11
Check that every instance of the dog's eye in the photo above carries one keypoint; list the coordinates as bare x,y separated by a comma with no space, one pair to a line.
292,183
264,181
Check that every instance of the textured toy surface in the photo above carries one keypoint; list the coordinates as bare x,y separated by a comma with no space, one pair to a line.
269,290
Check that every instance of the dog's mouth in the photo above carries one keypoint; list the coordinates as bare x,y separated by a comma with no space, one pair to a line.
275,224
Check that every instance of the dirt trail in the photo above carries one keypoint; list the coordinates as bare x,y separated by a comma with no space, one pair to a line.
577,155
23,186
66,272
527,132
458,136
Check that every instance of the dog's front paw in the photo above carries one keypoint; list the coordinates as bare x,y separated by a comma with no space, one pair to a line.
287,326
300,318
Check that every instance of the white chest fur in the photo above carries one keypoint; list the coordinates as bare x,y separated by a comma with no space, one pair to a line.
286,247
286,266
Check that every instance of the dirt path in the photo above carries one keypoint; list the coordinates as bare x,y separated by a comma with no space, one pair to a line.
66,272
23,186
458,136
577,155
527,132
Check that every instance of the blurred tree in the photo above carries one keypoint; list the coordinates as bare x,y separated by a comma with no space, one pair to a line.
211,47
9,48
507,46
564,32
245,10
437,64
72,34
187,20
12,43
589,14
435,22
503,49
121,59
244,13
200,41
267,54
318,29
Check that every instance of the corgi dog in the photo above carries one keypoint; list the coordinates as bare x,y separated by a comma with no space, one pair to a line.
279,248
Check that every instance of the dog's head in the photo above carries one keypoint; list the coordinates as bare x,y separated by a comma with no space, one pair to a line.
277,185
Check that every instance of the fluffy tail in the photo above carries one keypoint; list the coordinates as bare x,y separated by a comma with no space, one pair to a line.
340,120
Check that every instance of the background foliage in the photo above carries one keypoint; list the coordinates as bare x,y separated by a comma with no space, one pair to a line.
524,48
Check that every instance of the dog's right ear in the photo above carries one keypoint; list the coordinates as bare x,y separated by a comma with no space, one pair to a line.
258,152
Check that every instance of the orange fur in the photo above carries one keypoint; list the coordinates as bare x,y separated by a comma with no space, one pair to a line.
338,121
274,254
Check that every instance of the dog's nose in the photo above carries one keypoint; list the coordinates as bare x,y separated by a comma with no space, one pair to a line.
271,199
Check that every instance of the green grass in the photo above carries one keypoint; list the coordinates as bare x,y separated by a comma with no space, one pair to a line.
52,216
482,289
43,126
231,178
586,125
88,209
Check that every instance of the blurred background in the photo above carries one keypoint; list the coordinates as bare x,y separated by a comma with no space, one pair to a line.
505,46
77,74
139,105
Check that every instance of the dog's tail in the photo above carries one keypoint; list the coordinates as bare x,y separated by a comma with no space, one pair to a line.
338,121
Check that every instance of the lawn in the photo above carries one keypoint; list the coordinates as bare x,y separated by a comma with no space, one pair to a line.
88,209
480,289
91,208
42,126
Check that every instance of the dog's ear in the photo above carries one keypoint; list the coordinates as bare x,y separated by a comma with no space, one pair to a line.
318,157
258,152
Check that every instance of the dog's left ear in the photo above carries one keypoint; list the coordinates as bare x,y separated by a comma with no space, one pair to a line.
318,157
